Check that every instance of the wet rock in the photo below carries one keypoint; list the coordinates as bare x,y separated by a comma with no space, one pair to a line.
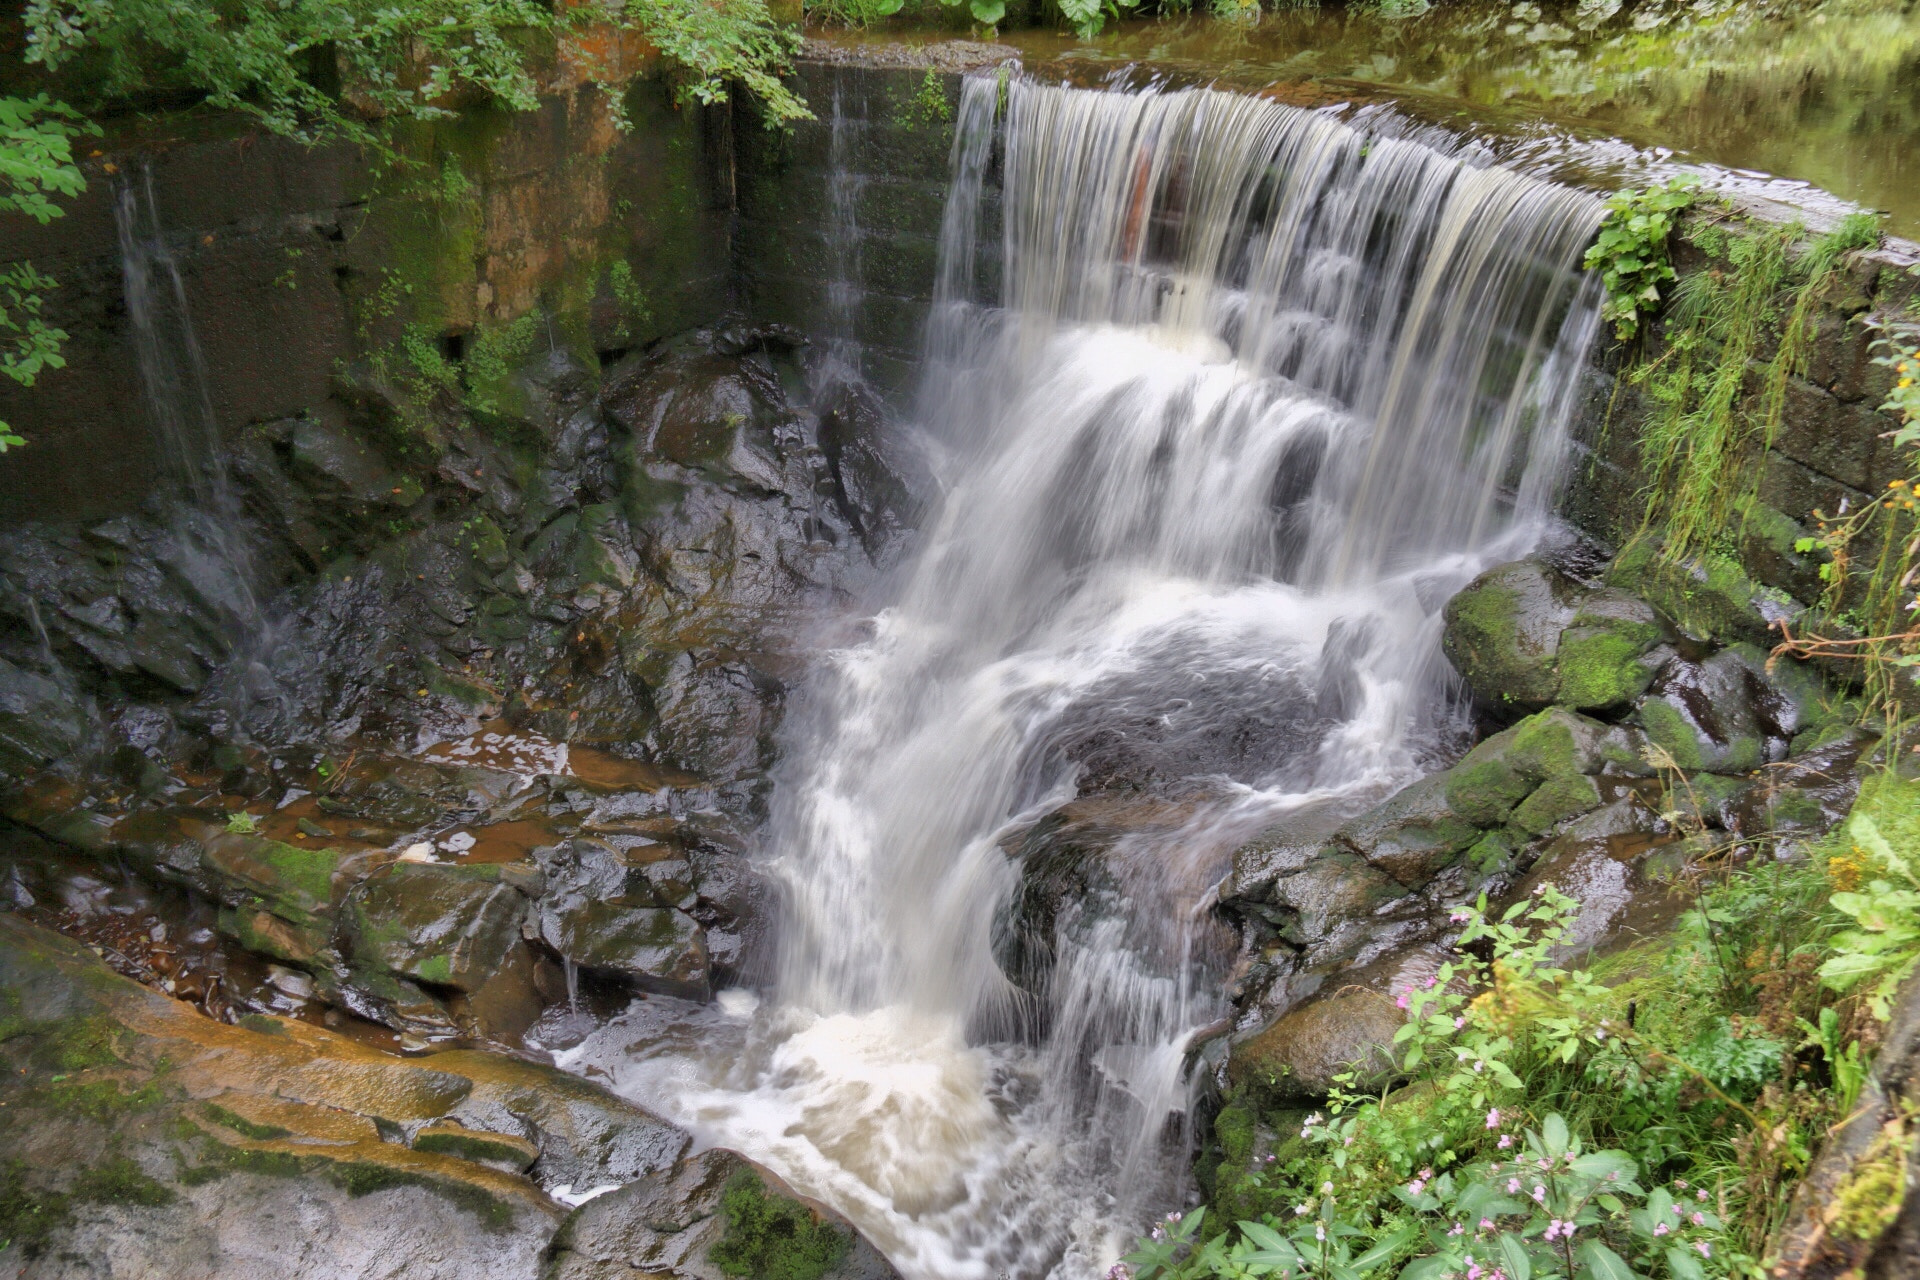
338,461
1707,597
1414,833
711,1216
1524,635
1350,1027
1731,713
447,926
277,1147
39,720
1620,866
603,912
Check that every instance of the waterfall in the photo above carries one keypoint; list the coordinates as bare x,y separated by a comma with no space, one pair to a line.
1257,391
209,547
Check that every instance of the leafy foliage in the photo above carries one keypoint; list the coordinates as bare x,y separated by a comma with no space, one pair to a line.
36,163
1630,252
1646,1117
276,61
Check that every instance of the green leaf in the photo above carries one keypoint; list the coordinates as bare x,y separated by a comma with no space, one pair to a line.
988,12
1518,1265
1603,1263
1685,1264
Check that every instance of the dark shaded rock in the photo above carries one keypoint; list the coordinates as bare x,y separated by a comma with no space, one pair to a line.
1731,713
711,1216
1414,833
39,720
1503,633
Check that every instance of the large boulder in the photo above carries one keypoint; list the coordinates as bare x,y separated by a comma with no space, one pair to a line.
1737,710
442,926
1349,1027
1524,635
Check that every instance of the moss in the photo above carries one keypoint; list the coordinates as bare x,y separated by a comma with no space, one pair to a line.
1235,1129
222,1160
242,1125
1671,731
98,1100
1484,792
1543,746
120,1181
470,1146
1557,799
77,1044
1493,854
359,1179
27,1217
1867,1203
265,1024
773,1238
1601,667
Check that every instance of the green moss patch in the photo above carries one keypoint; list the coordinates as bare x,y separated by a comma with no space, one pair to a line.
773,1238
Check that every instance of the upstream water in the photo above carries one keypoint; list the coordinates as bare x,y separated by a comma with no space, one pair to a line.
1254,394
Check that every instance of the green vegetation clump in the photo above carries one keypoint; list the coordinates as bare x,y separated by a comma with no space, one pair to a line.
773,1238
1702,441
27,1217
1649,1115
1630,253
364,1179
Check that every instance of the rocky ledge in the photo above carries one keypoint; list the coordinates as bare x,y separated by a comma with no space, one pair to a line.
143,1138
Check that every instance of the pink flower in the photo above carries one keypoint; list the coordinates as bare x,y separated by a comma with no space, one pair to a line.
1473,1270
1432,982
1676,1210
1119,1271
1401,1003
1699,1219
1416,1187
1486,1224
1680,1183
1493,1118
1460,1022
1701,1194
1513,1185
1459,1228
1659,1228
1539,1195
1706,1250
1460,917
1506,1140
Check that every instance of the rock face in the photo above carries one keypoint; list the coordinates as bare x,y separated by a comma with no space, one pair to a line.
711,1216
613,564
1335,925
146,1139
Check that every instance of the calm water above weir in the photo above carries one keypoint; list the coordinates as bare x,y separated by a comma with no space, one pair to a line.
1829,96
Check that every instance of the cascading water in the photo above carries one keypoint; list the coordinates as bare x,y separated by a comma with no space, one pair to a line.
209,548
1259,392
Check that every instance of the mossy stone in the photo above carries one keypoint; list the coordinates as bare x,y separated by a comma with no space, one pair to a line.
769,1237
1555,800
1485,791
1503,631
